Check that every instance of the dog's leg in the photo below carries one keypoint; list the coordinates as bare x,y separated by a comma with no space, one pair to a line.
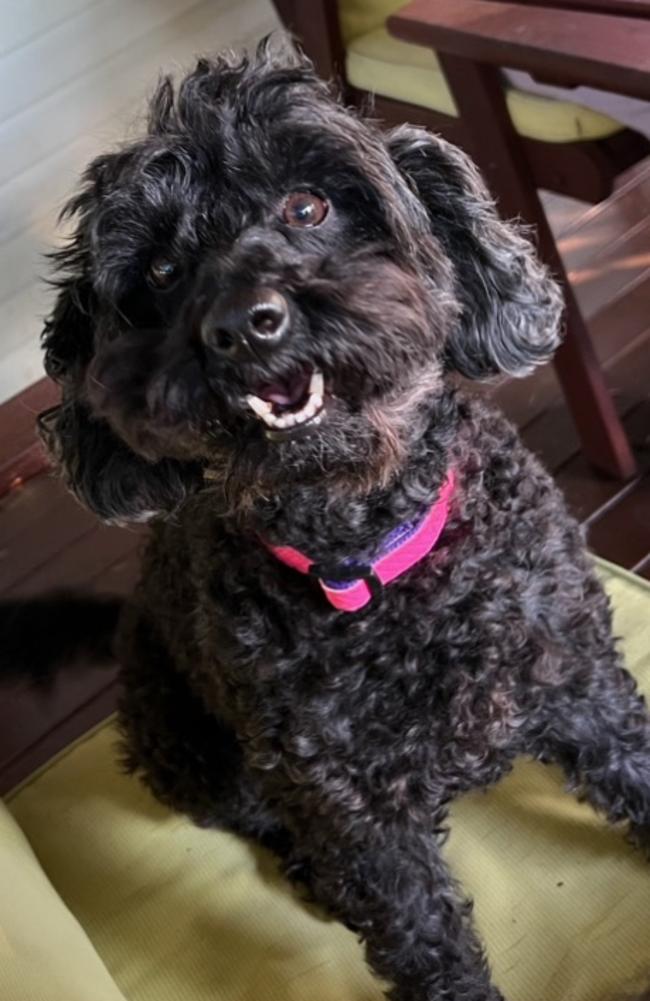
391,886
187,757
599,733
192,762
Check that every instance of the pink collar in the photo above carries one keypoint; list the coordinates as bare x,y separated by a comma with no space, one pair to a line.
352,584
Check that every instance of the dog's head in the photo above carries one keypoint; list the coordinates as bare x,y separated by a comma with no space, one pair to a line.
266,288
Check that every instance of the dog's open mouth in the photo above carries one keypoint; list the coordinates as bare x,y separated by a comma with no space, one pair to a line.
291,402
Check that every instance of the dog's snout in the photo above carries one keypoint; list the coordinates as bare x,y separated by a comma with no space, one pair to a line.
247,323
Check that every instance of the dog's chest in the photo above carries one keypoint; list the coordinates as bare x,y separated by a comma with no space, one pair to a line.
374,703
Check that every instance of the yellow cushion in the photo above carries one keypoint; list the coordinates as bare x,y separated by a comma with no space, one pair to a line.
357,17
45,955
181,914
383,65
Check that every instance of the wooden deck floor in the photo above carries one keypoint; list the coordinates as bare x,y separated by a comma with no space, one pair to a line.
47,540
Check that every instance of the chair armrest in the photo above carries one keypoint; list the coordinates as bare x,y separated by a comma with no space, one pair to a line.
630,8
598,50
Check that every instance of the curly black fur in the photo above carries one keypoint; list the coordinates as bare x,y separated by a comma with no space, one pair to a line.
339,739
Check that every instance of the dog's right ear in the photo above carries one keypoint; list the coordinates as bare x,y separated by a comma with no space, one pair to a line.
510,306
100,469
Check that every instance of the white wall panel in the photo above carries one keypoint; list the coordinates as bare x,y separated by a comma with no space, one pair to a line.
74,75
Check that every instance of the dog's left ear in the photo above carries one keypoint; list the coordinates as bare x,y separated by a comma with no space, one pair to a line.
510,306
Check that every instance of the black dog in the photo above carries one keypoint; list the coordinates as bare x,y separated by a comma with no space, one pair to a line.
362,596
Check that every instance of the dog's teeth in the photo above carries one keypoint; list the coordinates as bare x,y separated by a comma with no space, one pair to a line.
316,384
261,407
309,412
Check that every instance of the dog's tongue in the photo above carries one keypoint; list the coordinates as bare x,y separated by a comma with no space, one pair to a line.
285,392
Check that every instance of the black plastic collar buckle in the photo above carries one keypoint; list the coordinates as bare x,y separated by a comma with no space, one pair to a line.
345,574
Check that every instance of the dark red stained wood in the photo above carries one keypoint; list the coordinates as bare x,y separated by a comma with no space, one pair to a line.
21,454
643,568
390,112
621,534
317,27
598,50
602,281
602,434
24,505
615,330
536,403
121,577
584,170
17,427
84,560
622,320
628,8
46,725
49,533
586,491
552,434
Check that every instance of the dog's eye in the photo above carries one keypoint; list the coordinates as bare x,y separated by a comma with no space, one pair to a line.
163,272
304,209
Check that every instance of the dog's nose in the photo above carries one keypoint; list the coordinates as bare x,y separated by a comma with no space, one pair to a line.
247,323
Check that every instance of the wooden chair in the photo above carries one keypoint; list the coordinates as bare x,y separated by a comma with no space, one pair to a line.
514,164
